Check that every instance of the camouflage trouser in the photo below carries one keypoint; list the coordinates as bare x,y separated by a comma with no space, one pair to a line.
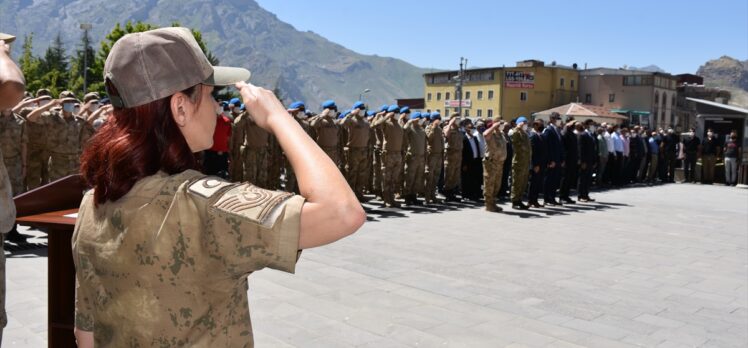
452,169
401,181
520,175
236,166
376,168
15,173
355,169
433,171
255,166
369,187
492,172
3,315
275,164
332,152
391,164
37,167
414,171
62,165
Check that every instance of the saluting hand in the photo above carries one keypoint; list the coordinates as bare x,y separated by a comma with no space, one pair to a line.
261,104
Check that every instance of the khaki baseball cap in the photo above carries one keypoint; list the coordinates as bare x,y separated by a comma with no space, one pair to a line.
148,66
91,96
68,96
7,38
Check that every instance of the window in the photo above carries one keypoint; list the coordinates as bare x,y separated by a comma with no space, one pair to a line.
490,94
439,96
479,113
490,113
588,98
467,112
480,95
467,95
446,96
428,97
446,111
673,101
523,96
664,100
611,98
571,83
657,97
562,82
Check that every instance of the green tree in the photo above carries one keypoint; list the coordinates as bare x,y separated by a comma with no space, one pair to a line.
30,65
85,55
54,67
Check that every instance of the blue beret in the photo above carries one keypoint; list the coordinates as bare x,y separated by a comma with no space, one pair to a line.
393,108
522,119
329,104
358,105
426,115
370,113
296,105
436,116
415,115
384,108
404,110
344,113
242,107
235,101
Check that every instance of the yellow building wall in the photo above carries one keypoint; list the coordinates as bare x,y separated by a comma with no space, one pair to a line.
547,93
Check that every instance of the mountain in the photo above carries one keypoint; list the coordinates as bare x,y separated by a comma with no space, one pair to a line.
650,68
730,74
303,65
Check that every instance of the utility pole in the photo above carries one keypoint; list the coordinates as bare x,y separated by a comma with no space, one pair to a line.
460,80
86,27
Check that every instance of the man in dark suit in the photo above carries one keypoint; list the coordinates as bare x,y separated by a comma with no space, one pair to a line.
555,158
571,168
472,163
538,163
587,158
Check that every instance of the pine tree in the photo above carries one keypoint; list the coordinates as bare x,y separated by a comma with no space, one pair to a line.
30,65
85,55
54,67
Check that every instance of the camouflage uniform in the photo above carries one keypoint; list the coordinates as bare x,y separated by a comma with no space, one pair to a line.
326,130
520,163
292,184
66,139
236,148
13,139
377,160
7,220
275,163
356,149
493,167
434,160
256,149
453,161
391,157
37,156
167,264
415,160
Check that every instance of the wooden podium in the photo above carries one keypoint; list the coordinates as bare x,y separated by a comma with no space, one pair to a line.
46,208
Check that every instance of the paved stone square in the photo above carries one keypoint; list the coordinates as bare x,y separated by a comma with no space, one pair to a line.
663,266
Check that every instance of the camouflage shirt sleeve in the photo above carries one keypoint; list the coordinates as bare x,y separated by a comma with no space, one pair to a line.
85,283
251,228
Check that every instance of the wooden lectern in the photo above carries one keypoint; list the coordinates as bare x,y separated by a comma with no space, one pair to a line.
46,207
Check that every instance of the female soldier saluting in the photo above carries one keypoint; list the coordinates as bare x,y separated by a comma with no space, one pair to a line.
162,252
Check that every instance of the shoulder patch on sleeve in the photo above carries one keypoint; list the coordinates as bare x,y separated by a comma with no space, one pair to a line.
253,203
207,187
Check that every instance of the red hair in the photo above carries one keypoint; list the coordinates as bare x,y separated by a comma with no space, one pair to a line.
133,144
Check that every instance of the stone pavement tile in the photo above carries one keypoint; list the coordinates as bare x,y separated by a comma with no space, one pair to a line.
384,342
264,340
468,337
692,336
509,331
642,340
23,337
284,331
659,321
417,338
720,342
568,334
627,324
597,328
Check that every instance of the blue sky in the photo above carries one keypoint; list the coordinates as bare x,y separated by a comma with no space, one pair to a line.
677,36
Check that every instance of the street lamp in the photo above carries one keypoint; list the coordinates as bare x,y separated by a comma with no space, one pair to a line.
361,95
85,27
460,78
